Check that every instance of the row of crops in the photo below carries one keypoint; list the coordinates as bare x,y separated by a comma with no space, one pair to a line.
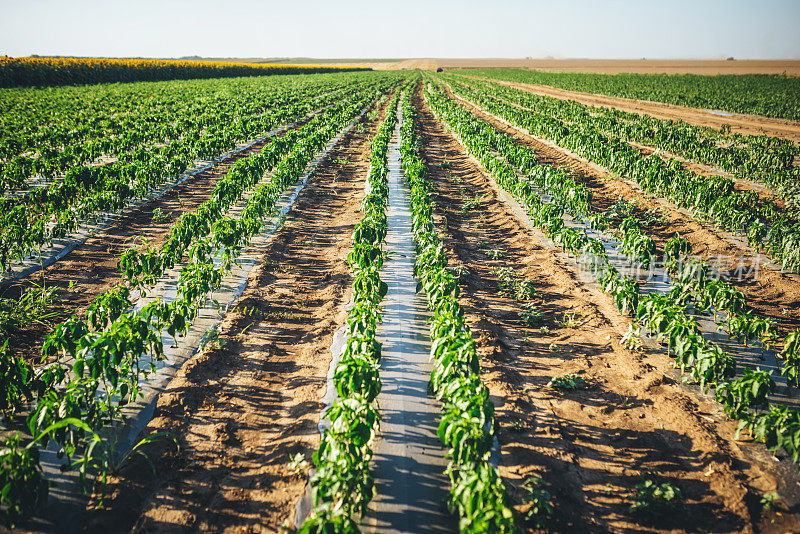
696,277
343,485
757,94
174,127
48,71
467,426
714,198
548,194
102,356
758,158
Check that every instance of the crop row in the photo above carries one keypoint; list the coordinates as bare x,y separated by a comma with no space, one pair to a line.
54,211
102,355
567,194
477,492
342,484
758,94
693,280
712,197
754,157
744,398
47,134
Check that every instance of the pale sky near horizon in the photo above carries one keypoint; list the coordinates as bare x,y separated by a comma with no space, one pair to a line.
408,28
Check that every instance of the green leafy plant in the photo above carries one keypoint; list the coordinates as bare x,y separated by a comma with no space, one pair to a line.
470,203
568,382
769,501
23,487
33,306
524,290
651,500
530,316
633,338
539,499
571,320
298,465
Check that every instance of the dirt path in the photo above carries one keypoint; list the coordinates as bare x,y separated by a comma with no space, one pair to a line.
409,461
242,410
742,124
91,267
771,292
594,445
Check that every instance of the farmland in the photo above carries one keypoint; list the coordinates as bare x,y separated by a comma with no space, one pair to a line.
374,300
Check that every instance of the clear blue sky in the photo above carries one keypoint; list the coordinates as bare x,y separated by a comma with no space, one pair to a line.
406,28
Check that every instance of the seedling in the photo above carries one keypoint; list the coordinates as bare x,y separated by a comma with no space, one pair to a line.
32,307
567,382
633,338
554,348
496,254
651,500
524,290
530,316
159,216
539,498
769,501
508,278
470,203
460,272
570,320
298,465
211,339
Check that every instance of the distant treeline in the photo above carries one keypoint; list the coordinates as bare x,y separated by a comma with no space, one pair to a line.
34,71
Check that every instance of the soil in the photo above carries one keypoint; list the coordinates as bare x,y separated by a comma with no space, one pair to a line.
632,421
91,267
769,291
244,407
603,66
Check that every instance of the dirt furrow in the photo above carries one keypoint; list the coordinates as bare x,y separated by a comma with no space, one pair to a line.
631,421
250,401
769,291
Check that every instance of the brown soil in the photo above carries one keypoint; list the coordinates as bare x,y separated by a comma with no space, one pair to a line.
243,410
407,64
742,124
603,66
594,445
91,267
769,291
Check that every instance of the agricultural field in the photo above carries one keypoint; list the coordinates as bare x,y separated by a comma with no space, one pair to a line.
476,300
